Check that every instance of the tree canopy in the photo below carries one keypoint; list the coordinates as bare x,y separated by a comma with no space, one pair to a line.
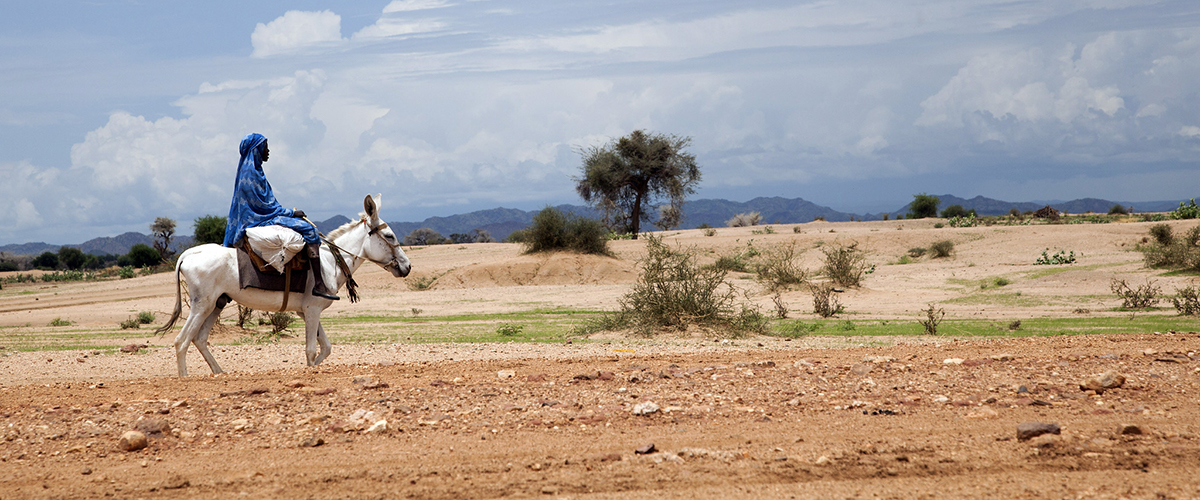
954,211
71,257
624,178
163,230
209,229
923,206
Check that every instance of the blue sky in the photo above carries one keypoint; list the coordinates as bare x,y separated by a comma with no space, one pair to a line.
115,112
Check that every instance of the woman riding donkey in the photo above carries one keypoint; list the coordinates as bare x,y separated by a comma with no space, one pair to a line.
254,205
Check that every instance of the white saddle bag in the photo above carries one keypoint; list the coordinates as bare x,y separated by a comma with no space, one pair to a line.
275,244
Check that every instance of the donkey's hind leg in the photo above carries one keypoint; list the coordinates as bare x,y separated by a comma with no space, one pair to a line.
201,340
196,318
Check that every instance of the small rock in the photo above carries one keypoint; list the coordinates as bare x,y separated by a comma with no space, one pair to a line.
132,441
1131,430
1045,441
953,361
132,348
1100,383
86,471
878,359
1002,357
152,427
1030,430
506,373
822,460
311,442
982,414
379,427
645,408
861,368
549,490
1022,390
941,399
370,383
646,450
239,424
175,482
1149,352
295,383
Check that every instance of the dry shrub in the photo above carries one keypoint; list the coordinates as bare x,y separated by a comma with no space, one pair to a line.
1162,234
781,309
825,303
933,316
1187,301
244,314
1168,251
942,249
552,230
744,220
778,269
1142,297
844,264
280,321
673,292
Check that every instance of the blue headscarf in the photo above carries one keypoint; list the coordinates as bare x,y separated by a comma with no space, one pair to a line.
253,203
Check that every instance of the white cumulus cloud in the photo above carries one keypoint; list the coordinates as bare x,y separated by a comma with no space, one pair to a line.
296,30
411,5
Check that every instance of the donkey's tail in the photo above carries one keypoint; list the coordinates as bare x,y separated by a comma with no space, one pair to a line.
178,301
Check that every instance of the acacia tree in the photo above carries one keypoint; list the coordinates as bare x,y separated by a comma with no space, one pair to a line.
163,230
625,177
923,206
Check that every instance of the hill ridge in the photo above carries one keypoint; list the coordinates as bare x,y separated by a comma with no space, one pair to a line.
501,221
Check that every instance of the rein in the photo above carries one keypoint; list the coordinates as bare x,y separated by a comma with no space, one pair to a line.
351,285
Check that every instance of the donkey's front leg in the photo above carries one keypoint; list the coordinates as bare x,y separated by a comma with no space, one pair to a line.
312,325
324,341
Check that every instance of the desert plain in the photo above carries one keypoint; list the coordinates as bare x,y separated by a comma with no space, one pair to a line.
485,389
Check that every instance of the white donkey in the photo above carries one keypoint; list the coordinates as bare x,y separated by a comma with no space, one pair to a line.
211,272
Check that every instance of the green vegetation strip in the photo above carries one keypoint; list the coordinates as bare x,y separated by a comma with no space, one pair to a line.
56,339
1036,327
545,325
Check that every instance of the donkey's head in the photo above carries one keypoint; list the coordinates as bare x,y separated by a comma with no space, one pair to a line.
382,247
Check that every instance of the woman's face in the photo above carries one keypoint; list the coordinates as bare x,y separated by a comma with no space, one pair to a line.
266,152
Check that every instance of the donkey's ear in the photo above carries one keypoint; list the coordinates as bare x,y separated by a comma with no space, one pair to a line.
369,206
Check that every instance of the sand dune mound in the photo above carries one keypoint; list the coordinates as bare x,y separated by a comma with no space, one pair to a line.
545,269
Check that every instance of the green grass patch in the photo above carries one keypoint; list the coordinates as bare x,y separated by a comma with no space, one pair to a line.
1050,271
543,325
1033,327
57,339
1016,299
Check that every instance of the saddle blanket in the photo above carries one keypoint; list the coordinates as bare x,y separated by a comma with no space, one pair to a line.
249,275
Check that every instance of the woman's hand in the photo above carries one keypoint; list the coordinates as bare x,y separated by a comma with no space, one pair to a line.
299,214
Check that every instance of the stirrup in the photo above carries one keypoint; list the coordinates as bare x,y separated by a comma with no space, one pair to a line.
323,295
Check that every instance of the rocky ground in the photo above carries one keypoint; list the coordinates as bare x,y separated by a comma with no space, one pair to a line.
732,420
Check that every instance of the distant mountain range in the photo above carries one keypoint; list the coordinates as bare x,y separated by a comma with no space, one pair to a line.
988,206
500,222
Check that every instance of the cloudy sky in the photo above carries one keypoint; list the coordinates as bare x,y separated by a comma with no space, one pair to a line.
115,112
